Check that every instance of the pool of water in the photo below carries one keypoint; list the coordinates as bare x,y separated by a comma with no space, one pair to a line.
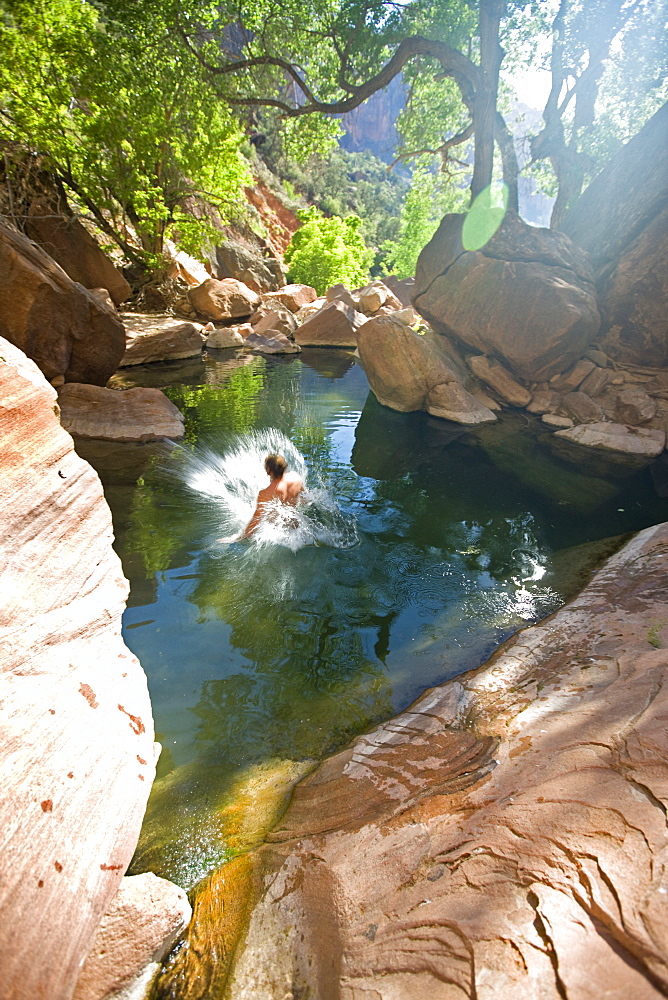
260,658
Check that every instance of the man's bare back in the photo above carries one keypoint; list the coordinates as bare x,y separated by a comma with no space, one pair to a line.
284,486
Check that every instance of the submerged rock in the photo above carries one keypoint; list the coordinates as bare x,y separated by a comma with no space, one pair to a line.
89,411
639,442
482,838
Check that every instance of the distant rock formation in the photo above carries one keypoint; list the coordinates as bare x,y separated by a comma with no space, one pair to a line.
622,221
69,332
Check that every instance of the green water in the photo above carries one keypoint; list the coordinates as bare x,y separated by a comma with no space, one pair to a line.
257,657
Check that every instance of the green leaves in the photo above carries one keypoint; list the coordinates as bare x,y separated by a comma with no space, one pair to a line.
326,252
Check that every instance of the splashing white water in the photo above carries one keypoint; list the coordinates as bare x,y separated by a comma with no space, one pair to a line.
233,479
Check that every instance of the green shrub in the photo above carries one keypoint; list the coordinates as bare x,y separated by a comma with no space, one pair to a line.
324,252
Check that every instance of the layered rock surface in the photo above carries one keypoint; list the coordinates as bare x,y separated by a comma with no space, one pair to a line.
90,411
76,732
65,329
505,837
159,338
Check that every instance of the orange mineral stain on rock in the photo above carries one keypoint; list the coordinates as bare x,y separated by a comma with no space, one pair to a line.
136,724
88,693
47,805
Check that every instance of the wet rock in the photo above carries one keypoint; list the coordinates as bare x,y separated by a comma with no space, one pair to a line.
581,408
59,324
635,406
293,297
89,411
334,325
499,378
451,401
277,344
631,441
77,757
527,297
146,917
599,358
228,336
270,322
482,838
223,300
159,338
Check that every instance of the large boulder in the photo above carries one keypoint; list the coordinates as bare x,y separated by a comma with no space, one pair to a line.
504,837
293,297
51,224
77,756
408,371
223,300
633,442
526,298
234,260
90,411
64,328
334,325
622,221
159,338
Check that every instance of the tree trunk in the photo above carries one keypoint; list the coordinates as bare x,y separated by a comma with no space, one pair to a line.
484,106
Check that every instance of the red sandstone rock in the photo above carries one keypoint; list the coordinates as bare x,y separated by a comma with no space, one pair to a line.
90,411
159,338
293,297
504,838
57,323
335,325
76,731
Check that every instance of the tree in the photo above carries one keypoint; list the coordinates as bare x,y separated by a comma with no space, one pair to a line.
607,64
121,112
326,252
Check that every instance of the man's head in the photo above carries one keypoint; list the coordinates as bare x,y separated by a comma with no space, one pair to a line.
275,466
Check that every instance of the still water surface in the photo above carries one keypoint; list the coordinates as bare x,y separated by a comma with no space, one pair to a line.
444,541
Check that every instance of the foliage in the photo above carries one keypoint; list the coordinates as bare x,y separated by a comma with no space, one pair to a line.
427,201
121,111
324,252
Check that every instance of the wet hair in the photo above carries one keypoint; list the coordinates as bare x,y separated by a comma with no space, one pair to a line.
275,466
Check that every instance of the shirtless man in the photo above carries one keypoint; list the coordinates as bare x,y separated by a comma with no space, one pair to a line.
284,486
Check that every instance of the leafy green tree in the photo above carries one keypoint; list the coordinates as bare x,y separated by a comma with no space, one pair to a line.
121,111
426,202
324,252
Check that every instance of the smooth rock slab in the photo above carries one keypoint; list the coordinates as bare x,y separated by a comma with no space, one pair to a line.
504,838
277,344
76,731
227,336
146,917
639,441
89,411
159,338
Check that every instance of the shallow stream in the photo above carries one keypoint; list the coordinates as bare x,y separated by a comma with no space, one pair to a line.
423,546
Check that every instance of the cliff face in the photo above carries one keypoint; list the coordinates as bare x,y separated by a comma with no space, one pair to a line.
76,730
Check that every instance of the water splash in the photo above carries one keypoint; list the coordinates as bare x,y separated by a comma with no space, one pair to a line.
233,478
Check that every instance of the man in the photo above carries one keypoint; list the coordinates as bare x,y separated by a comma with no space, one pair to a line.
284,486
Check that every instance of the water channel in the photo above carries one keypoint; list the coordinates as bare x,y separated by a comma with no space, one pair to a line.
433,544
